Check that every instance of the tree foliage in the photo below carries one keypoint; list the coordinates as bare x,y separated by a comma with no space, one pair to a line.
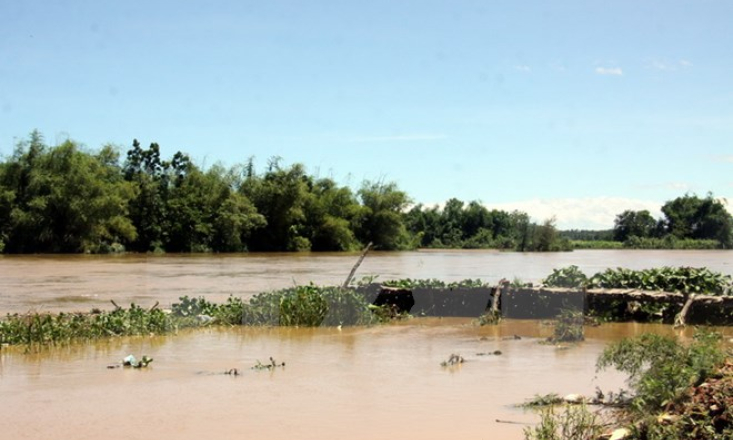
65,198
685,218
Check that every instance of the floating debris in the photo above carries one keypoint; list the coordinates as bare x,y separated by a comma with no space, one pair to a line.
270,366
131,361
232,372
490,353
454,359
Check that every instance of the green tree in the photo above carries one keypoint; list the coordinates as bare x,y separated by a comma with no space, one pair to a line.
63,199
280,196
634,224
382,222
699,218
144,169
331,214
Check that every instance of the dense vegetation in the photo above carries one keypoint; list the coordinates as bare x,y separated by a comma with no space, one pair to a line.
299,306
669,279
67,199
678,391
689,222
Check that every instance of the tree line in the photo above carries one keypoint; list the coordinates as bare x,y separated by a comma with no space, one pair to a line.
686,218
65,199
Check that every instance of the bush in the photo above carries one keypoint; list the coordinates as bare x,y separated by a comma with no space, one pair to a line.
660,368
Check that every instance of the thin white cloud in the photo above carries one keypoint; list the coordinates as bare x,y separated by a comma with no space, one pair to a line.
396,138
677,186
558,67
614,71
668,66
523,68
727,159
580,213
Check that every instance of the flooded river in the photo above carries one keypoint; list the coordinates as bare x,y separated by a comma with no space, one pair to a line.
79,283
359,383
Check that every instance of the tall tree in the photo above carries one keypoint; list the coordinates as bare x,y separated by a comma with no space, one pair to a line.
66,200
693,217
382,222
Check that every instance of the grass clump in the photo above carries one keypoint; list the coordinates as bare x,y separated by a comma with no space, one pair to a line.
574,422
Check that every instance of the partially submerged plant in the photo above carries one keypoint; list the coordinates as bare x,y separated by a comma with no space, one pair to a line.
543,400
454,359
660,368
490,317
569,327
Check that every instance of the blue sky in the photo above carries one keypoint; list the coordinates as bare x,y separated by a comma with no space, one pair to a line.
578,109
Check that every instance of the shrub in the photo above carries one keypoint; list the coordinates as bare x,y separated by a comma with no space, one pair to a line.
660,368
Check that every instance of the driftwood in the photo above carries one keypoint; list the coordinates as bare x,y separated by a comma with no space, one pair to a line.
681,319
356,266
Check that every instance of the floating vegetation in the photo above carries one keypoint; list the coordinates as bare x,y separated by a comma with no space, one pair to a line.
454,359
543,400
668,279
490,353
272,365
47,328
432,283
132,361
309,306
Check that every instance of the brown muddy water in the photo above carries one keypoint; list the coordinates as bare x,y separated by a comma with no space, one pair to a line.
79,283
360,383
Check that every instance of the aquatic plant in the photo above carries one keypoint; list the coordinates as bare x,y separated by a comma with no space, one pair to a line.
47,328
670,279
309,306
543,400
570,276
432,283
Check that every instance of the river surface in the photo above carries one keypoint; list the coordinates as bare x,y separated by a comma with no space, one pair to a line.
379,382
79,283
